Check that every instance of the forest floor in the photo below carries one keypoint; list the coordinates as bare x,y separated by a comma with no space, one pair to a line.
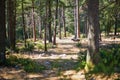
59,61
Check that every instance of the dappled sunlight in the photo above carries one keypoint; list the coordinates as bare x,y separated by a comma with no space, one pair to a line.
34,76
11,73
56,60
60,62
99,76
73,75
65,49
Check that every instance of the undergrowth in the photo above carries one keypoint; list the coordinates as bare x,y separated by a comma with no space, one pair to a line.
27,64
81,61
110,60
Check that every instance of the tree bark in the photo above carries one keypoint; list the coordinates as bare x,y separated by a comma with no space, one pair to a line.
40,27
93,34
77,17
23,23
115,31
56,23
49,19
46,24
33,22
60,22
63,16
11,12
2,32
76,20
116,19
40,21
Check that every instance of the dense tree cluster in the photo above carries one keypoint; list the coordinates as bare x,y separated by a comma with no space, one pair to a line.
46,19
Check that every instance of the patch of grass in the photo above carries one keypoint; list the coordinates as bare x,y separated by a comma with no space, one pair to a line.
29,46
27,64
56,64
78,44
81,61
40,46
49,45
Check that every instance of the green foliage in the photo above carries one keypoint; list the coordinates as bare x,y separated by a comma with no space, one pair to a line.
11,61
16,50
81,61
19,32
110,58
29,46
49,45
56,64
27,64
78,45
40,46
19,41
68,34
82,35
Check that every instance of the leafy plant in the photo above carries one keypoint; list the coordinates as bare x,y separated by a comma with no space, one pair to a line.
40,46
78,45
27,64
29,47
81,60
110,58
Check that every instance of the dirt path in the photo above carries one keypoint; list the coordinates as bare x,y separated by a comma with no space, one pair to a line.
59,62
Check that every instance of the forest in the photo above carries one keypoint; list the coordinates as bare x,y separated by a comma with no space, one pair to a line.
60,40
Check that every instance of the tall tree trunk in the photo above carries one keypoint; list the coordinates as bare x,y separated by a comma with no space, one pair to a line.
40,27
11,22
86,26
46,24
115,31
76,20
14,43
56,23
33,22
40,21
49,19
2,32
116,19
75,29
23,23
77,17
63,16
93,34
60,21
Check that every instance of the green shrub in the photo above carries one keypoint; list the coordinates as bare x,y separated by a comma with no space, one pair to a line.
11,61
27,64
49,45
78,45
82,35
29,47
40,46
81,60
33,67
110,58
56,64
